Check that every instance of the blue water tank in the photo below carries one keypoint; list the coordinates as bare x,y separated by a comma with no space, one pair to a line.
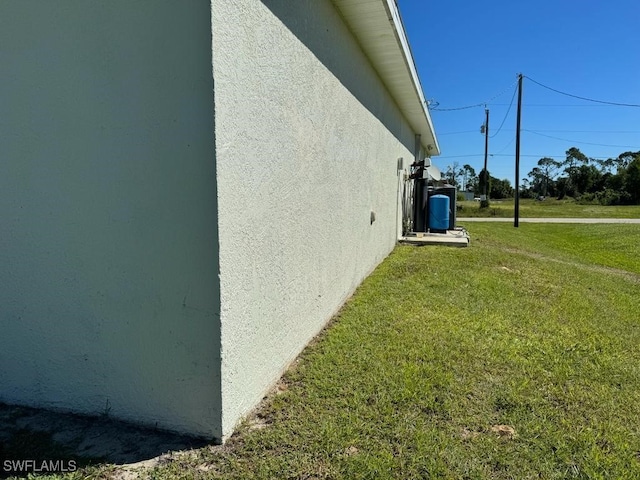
438,212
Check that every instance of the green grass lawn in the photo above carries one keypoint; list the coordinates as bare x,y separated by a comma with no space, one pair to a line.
548,208
515,358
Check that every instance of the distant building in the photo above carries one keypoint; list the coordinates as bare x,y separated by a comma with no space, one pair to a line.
468,195
190,190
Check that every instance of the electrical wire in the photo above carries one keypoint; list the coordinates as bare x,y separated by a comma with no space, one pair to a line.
577,141
626,132
503,148
563,155
456,133
583,131
558,105
511,155
584,98
436,109
506,114
481,104
475,105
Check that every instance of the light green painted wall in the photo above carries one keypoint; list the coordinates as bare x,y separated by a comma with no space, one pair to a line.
109,291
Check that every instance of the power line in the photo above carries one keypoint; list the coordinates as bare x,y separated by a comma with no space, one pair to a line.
505,147
475,105
436,109
559,105
601,103
549,130
577,141
511,155
584,131
506,114
456,133
585,98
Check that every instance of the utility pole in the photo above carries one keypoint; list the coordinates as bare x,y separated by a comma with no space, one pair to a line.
486,154
516,213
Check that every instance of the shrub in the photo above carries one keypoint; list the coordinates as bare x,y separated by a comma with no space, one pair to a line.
607,196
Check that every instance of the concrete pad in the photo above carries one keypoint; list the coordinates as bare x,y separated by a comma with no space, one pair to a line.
455,238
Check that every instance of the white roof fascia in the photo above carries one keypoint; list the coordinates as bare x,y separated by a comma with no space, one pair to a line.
378,27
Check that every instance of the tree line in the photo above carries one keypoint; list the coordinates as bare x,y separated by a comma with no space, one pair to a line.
465,178
614,181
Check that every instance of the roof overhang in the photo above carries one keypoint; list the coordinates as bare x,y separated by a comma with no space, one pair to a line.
378,27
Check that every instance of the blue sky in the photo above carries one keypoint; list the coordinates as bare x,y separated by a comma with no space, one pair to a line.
468,52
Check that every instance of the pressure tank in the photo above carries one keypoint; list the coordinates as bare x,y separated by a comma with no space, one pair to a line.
451,192
438,213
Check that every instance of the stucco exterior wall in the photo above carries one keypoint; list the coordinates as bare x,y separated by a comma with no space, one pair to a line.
307,143
109,293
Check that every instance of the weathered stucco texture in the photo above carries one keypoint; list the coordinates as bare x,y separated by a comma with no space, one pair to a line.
109,298
307,142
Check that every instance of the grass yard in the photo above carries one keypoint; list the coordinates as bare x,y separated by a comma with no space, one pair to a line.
515,358
550,207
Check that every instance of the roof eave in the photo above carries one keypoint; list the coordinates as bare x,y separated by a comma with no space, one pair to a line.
378,27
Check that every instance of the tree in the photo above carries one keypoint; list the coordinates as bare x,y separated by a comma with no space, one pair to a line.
548,168
585,178
537,180
574,159
484,181
452,173
624,160
562,186
607,165
525,189
614,181
470,178
500,188
632,183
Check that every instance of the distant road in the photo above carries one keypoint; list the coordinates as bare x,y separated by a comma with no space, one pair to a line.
548,220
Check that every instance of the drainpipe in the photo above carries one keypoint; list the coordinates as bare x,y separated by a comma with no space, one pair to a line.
418,214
